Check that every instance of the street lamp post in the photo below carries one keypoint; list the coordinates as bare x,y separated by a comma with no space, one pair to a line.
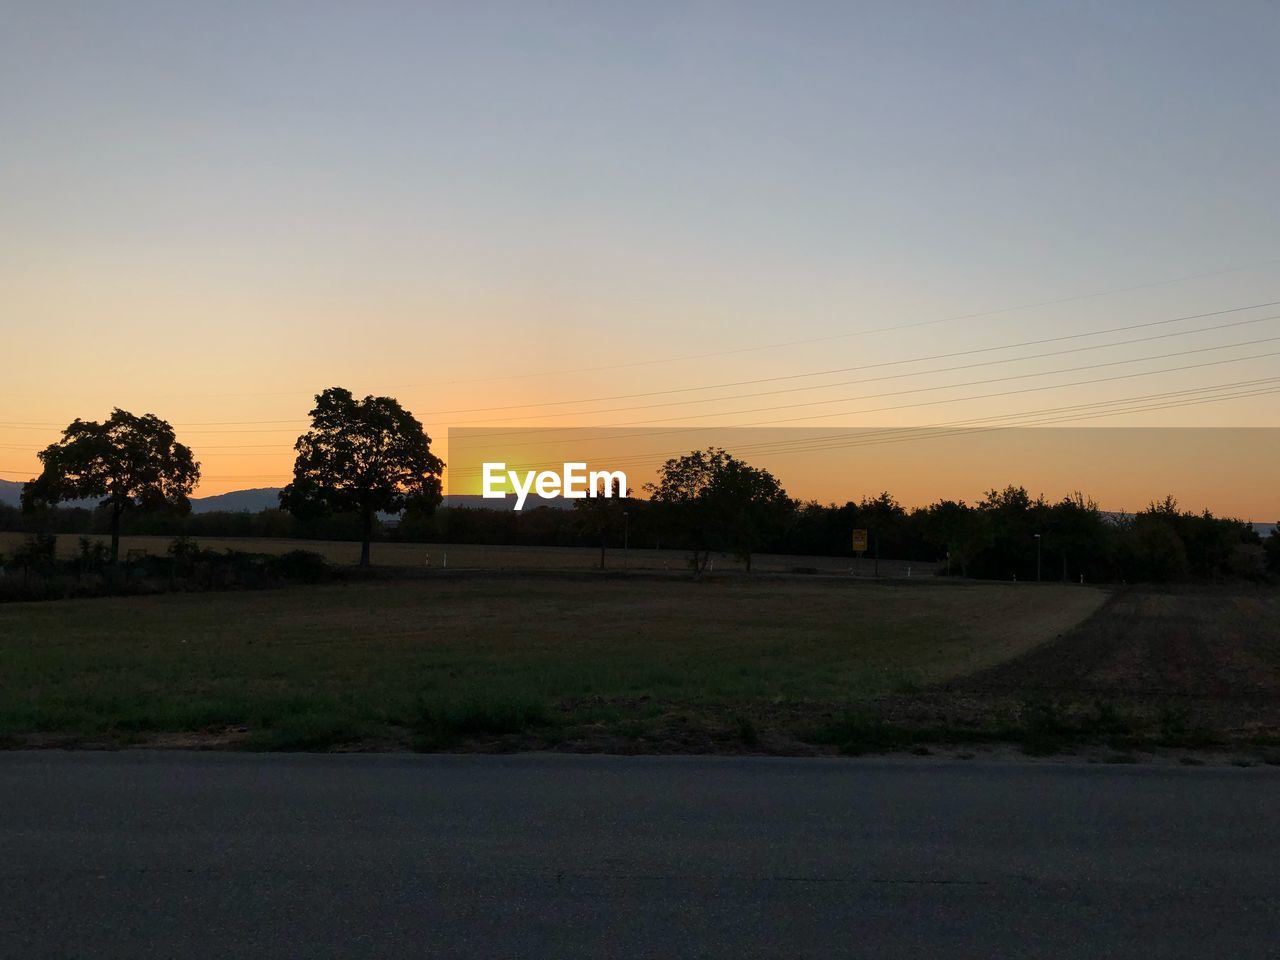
1037,558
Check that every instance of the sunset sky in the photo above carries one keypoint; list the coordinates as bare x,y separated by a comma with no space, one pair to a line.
656,214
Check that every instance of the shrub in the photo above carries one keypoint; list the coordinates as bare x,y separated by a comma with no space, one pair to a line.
184,549
94,555
38,552
300,566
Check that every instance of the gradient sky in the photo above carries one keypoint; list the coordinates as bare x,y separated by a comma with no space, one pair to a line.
212,211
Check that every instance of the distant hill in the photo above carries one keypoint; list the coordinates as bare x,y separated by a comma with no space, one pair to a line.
251,501
11,496
10,492
475,502
268,498
239,501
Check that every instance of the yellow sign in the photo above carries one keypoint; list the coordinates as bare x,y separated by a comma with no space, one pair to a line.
859,541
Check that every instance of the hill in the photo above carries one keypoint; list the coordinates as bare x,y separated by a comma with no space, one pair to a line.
261,498
10,492
239,501
11,496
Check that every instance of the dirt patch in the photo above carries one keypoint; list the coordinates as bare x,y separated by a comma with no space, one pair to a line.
1185,666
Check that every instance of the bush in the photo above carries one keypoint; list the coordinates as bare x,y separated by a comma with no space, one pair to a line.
187,567
39,552
300,566
184,549
94,555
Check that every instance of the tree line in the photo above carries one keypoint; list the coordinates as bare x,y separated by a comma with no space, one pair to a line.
366,458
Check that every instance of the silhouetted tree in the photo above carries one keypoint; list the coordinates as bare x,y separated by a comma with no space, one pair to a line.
955,529
717,502
601,515
364,457
885,521
1010,519
1273,550
129,461
1077,539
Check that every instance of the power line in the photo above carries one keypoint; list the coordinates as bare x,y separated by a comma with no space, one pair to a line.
884,394
1228,391
811,403
1054,415
186,425
911,373
895,407
1055,301
1075,298
1247,388
884,363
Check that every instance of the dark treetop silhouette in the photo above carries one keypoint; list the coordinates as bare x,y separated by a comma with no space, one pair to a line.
603,515
128,460
719,503
362,456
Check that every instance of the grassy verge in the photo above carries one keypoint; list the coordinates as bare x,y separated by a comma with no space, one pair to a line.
1039,726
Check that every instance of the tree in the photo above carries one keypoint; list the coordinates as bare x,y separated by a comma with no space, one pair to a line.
1272,545
1010,519
364,457
716,502
129,461
602,514
954,528
1077,539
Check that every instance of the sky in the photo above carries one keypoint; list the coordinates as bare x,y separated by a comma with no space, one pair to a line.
512,213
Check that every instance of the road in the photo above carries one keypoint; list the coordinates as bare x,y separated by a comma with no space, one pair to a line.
166,854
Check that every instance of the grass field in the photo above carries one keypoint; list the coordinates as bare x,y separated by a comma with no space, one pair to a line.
504,661
486,557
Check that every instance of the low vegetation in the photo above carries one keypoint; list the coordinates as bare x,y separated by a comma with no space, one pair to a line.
38,570
498,662
571,660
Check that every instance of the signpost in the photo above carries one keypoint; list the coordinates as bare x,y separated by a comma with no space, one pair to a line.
860,539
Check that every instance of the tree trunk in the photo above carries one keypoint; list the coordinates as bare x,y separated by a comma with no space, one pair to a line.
602,540
367,535
115,532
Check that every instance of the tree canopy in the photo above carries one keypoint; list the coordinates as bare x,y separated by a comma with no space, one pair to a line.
604,514
127,460
718,502
364,457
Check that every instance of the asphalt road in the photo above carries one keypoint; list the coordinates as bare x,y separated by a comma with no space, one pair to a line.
237,855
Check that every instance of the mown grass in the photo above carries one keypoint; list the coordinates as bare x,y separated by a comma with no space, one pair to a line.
502,663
